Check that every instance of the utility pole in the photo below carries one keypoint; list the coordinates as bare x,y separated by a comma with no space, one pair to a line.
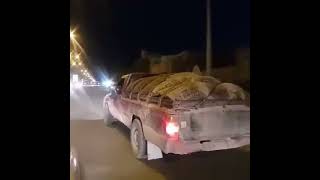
208,47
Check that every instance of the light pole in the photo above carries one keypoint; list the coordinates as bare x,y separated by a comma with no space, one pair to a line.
208,47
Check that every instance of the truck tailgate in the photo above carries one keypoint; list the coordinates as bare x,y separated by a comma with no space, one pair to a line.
217,122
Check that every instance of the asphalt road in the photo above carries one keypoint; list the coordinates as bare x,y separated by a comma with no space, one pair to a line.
105,153
86,103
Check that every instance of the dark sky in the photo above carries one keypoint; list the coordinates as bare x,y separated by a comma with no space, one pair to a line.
114,31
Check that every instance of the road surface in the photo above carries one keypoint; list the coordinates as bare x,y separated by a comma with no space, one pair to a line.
105,153
86,103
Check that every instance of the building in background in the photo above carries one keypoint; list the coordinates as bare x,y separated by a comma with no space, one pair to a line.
236,70
239,72
181,62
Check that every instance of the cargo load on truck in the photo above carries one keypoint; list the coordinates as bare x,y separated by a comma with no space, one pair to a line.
182,88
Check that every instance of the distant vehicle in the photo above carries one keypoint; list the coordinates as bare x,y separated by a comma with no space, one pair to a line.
179,113
74,165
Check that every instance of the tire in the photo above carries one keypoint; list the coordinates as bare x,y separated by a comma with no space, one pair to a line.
107,117
138,142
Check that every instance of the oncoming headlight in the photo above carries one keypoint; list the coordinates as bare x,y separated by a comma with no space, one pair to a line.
75,162
108,83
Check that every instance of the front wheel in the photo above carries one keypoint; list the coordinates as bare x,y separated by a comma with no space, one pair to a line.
138,142
107,117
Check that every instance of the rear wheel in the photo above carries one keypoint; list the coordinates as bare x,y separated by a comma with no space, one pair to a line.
138,142
107,117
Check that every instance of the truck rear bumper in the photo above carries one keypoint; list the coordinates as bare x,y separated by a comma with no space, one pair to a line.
179,147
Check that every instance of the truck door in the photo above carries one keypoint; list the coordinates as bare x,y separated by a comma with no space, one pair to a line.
121,106
115,105
125,105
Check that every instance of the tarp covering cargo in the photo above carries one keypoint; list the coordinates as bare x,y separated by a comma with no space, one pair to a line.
182,86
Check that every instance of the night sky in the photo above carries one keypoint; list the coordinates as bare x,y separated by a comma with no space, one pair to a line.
114,31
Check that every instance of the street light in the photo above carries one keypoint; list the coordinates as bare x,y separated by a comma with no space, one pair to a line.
75,42
72,35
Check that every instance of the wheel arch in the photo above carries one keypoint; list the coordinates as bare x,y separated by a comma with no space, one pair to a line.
135,117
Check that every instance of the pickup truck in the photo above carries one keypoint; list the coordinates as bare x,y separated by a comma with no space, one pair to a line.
167,111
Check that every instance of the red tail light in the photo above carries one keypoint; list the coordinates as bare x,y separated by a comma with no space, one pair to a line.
172,128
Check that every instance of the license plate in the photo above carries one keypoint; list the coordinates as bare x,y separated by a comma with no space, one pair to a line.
207,146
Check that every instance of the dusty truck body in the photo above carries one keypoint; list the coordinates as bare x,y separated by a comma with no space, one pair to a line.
180,113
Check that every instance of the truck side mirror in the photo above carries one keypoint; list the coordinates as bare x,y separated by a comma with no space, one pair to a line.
118,90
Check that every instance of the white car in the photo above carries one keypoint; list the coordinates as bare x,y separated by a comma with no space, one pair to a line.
74,165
